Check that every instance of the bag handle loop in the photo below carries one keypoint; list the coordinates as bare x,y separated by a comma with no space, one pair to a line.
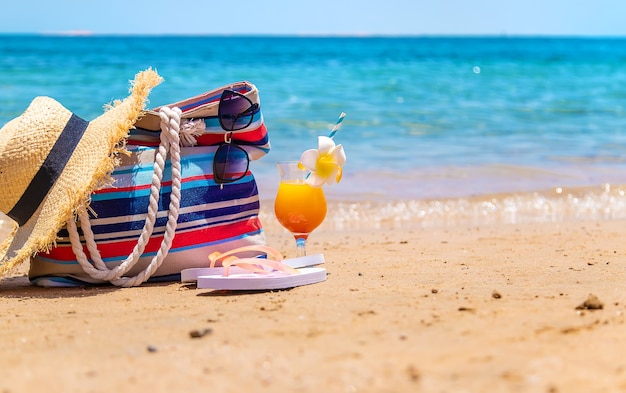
170,142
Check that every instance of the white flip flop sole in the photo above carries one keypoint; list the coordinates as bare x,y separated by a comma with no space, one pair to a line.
253,281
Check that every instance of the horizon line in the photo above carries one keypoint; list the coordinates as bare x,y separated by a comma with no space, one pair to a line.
88,33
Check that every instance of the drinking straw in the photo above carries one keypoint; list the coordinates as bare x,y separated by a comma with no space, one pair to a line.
337,125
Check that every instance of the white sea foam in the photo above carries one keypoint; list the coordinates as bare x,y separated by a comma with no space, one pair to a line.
558,205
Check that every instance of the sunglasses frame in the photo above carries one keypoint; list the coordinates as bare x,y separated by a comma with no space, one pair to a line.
248,112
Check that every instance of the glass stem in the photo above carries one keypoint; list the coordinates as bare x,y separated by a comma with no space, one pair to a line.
300,246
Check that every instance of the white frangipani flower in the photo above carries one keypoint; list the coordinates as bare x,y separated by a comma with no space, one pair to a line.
325,162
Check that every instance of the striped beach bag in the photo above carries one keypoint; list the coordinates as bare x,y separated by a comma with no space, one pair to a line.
184,191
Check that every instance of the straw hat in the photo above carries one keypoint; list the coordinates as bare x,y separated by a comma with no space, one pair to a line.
51,161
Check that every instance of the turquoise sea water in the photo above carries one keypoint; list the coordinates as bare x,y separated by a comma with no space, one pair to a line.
428,118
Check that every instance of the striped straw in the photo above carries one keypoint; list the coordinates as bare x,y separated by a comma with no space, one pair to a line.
337,125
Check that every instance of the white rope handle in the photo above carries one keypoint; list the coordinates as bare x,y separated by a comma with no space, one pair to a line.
170,142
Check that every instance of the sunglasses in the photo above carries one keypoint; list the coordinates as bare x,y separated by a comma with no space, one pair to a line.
235,111
231,163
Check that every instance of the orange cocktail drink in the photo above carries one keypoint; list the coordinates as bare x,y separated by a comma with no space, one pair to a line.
299,207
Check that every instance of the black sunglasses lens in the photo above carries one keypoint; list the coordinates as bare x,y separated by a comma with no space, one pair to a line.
235,111
231,163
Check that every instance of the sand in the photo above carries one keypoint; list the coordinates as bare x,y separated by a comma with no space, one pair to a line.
449,309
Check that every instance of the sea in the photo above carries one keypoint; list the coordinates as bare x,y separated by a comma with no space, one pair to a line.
438,130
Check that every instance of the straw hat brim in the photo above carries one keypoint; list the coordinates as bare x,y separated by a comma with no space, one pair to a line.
87,170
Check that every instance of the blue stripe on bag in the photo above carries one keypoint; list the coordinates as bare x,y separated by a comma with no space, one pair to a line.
201,216
136,202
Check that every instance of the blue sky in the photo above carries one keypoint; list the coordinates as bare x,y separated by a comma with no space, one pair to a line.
332,17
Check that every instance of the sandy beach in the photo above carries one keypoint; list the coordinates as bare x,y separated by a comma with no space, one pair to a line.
462,308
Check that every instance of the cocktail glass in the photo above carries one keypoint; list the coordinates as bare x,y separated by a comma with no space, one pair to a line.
299,207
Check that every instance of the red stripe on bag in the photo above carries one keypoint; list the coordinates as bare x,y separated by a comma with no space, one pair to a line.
252,136
195,238
249,136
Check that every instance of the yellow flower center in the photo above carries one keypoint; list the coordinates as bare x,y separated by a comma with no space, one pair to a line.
325,166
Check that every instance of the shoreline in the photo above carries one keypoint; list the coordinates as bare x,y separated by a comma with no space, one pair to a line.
560,204
606,202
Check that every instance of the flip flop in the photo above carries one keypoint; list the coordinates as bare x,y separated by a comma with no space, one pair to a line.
253,281
192,274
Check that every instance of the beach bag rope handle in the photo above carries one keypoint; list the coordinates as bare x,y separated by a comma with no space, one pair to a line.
170,142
